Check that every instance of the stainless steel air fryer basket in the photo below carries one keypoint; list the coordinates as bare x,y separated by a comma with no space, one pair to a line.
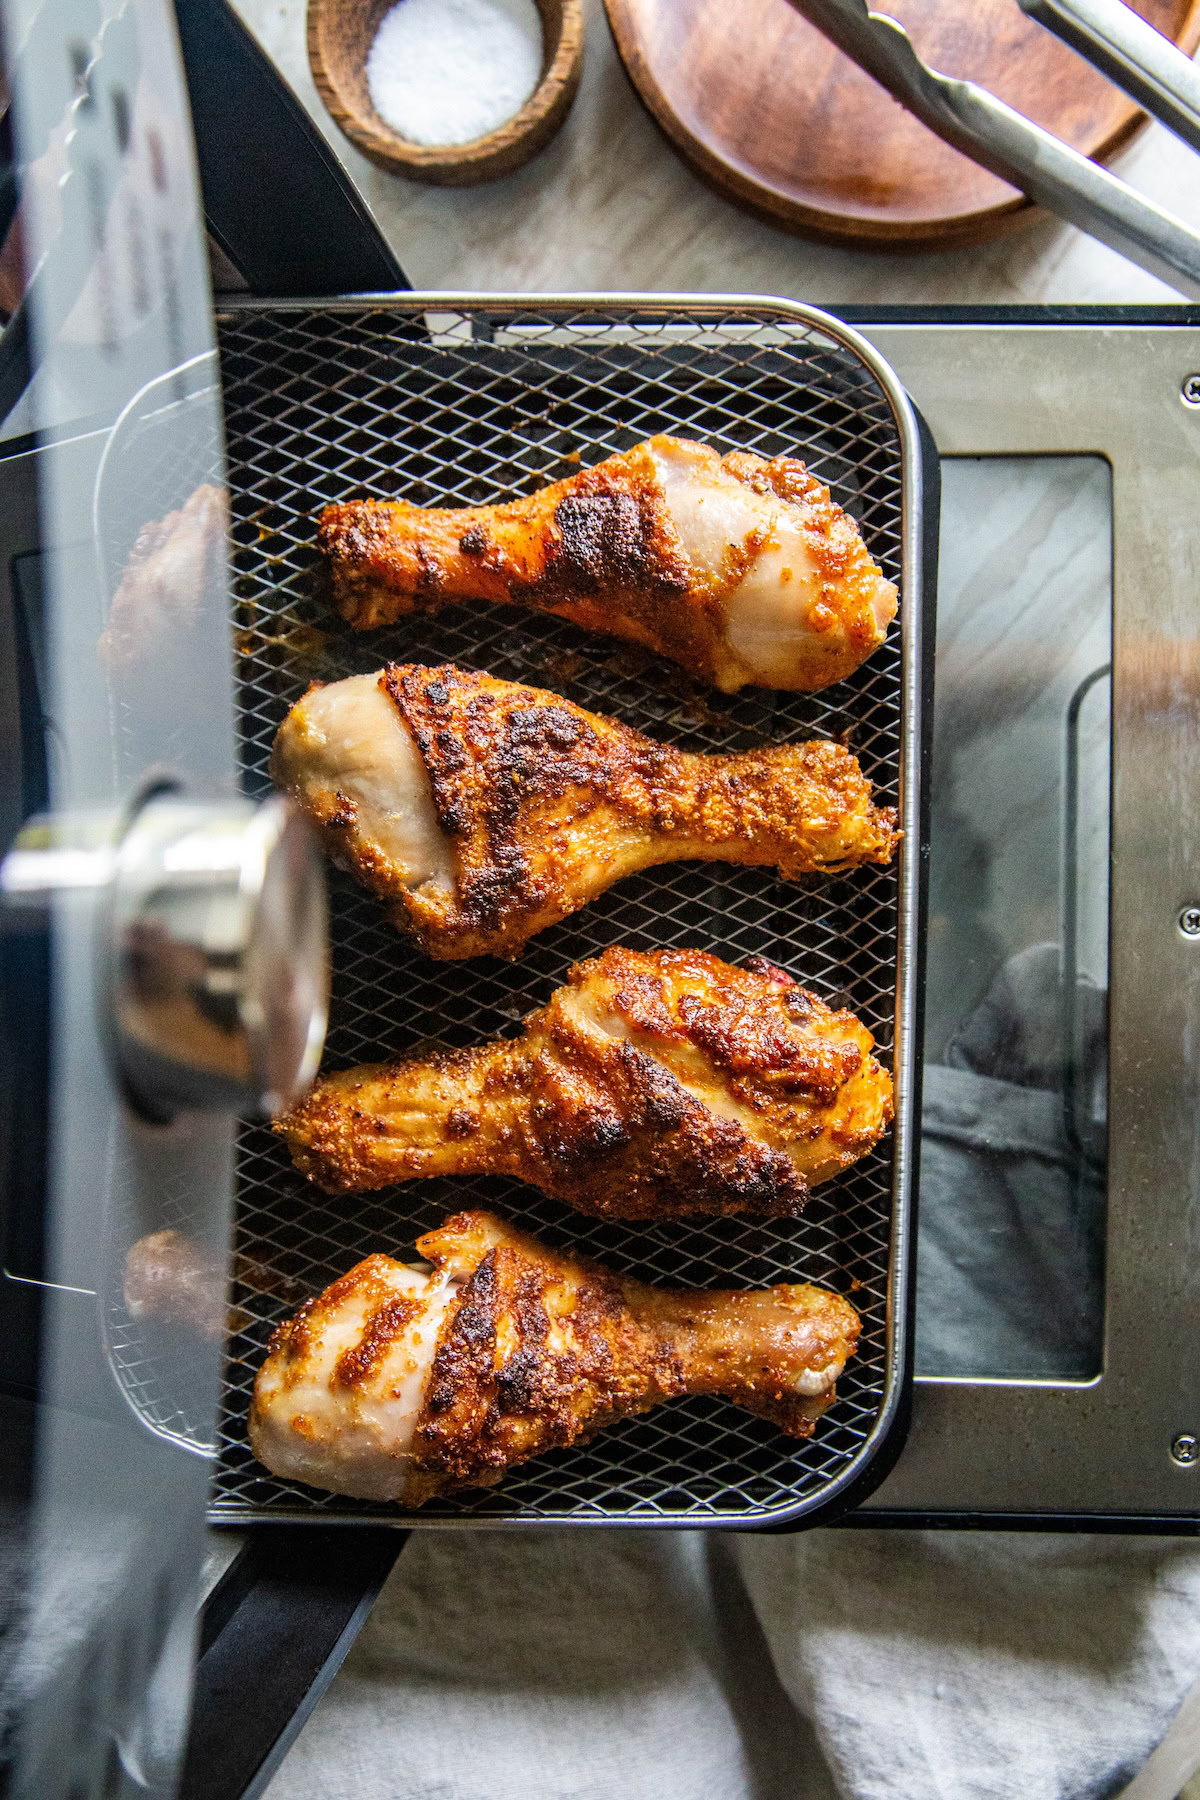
464,400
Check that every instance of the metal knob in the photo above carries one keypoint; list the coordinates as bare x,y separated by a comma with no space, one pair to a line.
211,930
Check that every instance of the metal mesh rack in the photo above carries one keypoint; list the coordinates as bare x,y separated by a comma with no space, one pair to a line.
477,404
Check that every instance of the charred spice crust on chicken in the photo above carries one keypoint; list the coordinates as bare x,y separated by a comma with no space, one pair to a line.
400,1384
739,569
482,811
655,1084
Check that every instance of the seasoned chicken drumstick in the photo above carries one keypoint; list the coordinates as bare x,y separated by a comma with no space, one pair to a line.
482,811
738,569
400,1383
655,1084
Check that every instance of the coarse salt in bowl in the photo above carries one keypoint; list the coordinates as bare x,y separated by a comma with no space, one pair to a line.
447,91
452,71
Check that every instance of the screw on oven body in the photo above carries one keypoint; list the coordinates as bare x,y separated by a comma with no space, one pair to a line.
1189,390
1185,1449
1189,921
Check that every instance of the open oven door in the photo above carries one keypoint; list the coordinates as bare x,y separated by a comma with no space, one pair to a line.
162,939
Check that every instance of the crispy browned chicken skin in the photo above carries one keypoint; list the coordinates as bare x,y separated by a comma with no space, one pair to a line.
740,570
654,1085
398,1383
482,811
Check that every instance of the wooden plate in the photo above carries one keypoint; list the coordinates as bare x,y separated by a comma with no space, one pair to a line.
771,115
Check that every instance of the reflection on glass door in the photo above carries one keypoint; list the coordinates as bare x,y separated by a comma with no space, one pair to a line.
1010,1266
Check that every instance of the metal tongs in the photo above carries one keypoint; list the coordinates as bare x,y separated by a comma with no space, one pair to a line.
1146,65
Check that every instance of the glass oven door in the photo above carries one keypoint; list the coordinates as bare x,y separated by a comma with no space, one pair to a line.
162,939
1014,1124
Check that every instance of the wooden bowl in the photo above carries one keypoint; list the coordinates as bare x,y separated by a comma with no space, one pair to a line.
340,35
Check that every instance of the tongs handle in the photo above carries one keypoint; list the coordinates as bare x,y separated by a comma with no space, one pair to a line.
1020,152
1140,60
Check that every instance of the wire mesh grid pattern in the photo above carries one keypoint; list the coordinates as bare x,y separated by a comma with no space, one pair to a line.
465,409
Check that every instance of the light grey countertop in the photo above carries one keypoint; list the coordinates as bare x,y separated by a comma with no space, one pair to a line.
610,205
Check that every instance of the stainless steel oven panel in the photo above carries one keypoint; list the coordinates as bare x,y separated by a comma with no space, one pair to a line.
322,398
1105,1446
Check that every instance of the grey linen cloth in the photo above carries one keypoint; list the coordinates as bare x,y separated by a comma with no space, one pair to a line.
892,1665
873,1665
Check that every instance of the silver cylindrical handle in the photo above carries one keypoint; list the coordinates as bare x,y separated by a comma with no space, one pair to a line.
212,944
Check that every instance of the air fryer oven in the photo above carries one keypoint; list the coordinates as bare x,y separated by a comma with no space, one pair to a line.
1055,1376
1053,1353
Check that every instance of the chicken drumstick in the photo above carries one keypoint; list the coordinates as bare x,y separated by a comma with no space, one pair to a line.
654,1085
738,569
482,811
399,1384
